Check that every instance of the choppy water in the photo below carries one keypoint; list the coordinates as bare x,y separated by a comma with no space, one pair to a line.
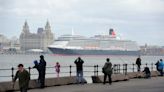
8,61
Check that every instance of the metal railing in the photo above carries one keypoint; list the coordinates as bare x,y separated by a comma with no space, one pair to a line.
93,70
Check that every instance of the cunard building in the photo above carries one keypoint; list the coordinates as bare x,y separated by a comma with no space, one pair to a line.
39,40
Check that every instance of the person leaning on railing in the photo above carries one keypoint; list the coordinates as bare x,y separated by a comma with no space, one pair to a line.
138,63
107,70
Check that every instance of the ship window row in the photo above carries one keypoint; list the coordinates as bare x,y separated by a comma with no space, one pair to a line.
128,45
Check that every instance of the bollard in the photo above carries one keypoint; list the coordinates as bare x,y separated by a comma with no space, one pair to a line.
29,68
123,68
151,66
114,68
70,67
94,70
12,71
133,67
97,70
126,66
119,68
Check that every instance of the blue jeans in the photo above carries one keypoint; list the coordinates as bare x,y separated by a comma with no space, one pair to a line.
79,76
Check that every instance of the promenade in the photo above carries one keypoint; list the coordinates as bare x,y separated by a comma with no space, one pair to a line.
155,84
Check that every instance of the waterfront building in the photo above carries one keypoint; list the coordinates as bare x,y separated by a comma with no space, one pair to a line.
39,40
152,50
3,41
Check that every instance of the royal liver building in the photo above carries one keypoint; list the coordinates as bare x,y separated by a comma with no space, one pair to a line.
39,40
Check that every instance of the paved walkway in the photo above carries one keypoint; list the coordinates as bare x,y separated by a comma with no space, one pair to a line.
155,84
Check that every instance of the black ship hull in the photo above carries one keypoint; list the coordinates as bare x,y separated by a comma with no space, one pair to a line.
91,52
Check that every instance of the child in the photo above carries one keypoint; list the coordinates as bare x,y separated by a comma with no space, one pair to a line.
57,68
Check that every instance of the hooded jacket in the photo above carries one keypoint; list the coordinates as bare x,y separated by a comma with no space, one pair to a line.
108,68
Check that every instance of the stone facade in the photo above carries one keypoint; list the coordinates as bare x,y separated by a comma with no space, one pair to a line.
39,40
4,42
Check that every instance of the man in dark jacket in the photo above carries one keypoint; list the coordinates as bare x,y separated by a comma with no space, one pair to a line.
42,72
147,72
79,69
157,66
107,70
23,77
138,63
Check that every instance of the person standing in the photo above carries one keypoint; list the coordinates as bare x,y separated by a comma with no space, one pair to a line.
79,70
42,67
107,70
161,66
138,63
24,77
157,66
36,65
57,68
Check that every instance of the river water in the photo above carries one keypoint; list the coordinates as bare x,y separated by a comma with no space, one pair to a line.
12,60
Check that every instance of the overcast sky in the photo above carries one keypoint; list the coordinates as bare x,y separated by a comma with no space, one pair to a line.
138,20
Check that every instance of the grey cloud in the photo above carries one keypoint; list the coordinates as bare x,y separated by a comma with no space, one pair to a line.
89,17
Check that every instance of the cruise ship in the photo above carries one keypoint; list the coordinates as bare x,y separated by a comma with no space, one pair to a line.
96,45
